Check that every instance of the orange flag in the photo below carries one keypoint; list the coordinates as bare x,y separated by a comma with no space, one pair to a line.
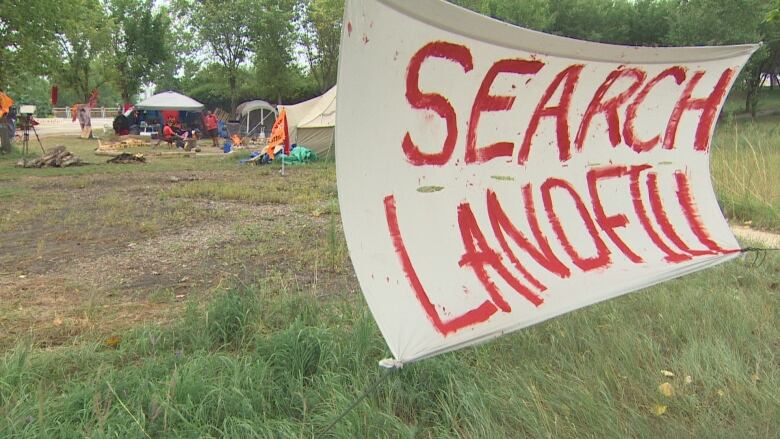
279,136
5,104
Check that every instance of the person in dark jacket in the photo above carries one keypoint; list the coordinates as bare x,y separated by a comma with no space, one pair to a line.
121,125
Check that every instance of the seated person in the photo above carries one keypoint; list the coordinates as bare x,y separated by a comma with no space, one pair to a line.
135,122
170,136
121,125
189,137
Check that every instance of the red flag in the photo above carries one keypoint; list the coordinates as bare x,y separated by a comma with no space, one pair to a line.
93,98
54,94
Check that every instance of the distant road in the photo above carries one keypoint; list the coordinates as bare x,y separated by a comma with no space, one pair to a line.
768,239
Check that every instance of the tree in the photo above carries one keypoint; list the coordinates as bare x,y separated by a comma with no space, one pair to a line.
33,90
182,46
639,22
649,22
27,30
83,38
275,38
717,22
224,26
208,85
774,13
530,14
762,65
139,43
320,39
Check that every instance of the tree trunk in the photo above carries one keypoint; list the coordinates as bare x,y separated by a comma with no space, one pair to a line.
5,141
232,84
752,88
3,73
752,97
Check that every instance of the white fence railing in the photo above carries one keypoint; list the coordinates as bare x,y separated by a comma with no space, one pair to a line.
64,112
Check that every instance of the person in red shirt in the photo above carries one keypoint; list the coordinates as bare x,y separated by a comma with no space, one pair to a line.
169,135
210,123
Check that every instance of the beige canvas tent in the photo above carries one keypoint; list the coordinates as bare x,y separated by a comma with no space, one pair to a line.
312,123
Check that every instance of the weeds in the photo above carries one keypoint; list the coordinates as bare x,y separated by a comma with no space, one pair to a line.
746,169
334,240
229,316
261,364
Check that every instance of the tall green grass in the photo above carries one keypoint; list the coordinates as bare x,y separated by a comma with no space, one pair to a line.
257,362
746,170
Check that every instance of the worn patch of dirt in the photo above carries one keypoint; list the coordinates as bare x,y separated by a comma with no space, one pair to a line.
111,253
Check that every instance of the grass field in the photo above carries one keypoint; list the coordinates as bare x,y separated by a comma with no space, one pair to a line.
745,168
769,102
195,297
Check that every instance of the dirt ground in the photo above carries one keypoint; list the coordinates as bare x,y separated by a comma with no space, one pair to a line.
93,253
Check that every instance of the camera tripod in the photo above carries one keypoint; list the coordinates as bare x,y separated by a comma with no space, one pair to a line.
26,122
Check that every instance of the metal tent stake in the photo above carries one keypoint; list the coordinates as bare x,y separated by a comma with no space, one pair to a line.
387,366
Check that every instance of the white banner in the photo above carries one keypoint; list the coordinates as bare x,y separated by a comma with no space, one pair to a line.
492,177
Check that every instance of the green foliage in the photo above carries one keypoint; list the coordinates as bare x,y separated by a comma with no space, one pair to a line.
654,23
532,14
648,23
224,26
139,43
31,90
275,40
716,22
181,44
321,38
593,20
208,85
27,34
83,40
46,43
268,36
773,13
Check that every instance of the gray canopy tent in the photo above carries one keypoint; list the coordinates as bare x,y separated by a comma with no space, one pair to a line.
169,100
166,101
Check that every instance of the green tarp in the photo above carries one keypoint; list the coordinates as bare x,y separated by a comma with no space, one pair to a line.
300,154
